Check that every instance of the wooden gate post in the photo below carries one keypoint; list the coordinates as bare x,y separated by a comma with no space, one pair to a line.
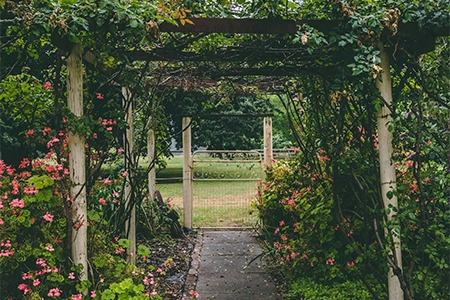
268,151
187,172
130,226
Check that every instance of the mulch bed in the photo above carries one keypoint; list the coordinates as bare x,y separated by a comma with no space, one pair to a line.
171,259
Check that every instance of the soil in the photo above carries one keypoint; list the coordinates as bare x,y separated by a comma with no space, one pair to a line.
170,260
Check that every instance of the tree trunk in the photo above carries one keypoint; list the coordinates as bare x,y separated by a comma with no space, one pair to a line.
77,163
387,170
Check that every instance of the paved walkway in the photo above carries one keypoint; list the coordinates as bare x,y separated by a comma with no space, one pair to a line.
224,273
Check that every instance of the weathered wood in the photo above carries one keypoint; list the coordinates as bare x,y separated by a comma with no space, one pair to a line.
256,26
130,226
77,161
187,173
268,149
387,168
151,150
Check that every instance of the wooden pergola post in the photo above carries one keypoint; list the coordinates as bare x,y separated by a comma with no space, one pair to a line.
130,226
151,150
268,151
77,161
387,169
187,173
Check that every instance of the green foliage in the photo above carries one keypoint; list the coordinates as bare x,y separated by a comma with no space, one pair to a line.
308,290
236,132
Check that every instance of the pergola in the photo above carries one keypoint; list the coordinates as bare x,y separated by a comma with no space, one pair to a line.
291,57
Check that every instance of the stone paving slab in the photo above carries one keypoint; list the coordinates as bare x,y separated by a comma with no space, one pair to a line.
224,272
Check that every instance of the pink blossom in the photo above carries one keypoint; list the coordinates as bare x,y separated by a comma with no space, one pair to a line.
93,294
109,128
10,170
46,85
124,173
49,248
17,203
1,221
116,194
100,96
106,180
48,217
41,262
102,201
120,150
282,223
71,275
30,131
77,297
36,282
56,292
120,250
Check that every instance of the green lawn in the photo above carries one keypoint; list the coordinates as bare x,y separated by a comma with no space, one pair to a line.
217,203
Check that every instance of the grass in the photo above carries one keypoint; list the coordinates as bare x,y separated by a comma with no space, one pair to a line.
217,203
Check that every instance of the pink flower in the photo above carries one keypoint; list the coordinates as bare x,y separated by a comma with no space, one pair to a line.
100,96
17,203
46,85
56,292
120,250
120,150
106,180
41,262
109,128
30,132
77,297
102,201
71,276
193,293
36,282
49,248
93,294
116,194
1,221
48,217
281,223
124,173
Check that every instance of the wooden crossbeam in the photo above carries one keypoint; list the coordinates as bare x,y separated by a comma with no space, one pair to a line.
254,26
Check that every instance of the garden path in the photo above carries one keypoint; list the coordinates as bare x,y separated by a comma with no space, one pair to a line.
223,270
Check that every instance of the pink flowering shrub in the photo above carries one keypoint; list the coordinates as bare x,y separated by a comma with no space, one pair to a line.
32,228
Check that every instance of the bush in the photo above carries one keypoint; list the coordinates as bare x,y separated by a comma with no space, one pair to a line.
307,289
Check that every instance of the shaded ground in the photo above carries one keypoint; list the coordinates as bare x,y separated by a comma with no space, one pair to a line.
171,259
179,261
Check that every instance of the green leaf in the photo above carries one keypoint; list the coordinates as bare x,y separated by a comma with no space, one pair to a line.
143,250
134,23
124,243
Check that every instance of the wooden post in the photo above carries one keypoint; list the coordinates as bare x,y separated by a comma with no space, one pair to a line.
387,169
77,161
130,227
151,150
187,173
268,151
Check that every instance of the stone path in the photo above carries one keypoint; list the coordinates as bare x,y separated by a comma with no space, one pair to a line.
223,270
